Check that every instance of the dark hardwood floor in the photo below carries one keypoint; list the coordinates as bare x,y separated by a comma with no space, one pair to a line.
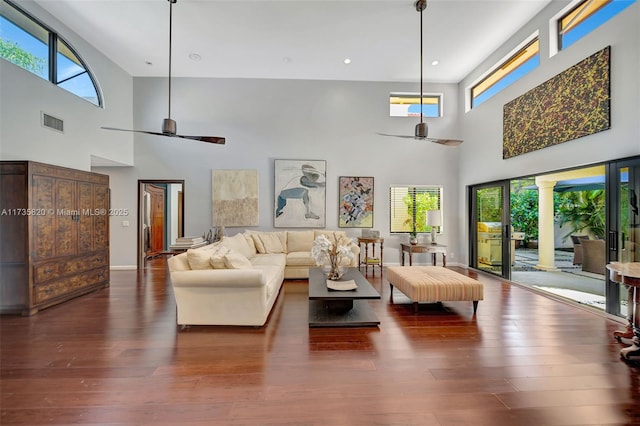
116,357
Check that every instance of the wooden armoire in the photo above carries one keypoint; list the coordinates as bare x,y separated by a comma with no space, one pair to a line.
54,235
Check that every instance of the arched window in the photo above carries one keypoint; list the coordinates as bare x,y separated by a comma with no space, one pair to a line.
29,44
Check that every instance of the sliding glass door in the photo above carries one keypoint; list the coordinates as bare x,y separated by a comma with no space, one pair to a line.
489,231
624,226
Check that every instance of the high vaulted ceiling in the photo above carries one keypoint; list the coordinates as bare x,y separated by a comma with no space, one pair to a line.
297,39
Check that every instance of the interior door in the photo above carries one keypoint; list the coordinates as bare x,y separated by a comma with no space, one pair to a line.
490,248
156,215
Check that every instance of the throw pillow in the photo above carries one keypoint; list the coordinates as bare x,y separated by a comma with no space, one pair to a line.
237,243
299,241
258,242
272,242
235,260
217,257
252,245
199,259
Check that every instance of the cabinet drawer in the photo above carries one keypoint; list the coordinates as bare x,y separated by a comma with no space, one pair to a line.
71,284
84,263
46,271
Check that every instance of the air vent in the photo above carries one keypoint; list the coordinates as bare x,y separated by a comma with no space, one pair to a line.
52,123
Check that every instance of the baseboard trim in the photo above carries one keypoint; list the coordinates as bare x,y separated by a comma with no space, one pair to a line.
123,267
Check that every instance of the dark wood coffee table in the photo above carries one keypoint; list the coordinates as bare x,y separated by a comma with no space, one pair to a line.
334,308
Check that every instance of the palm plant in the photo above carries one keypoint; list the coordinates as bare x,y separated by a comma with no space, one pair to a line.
582,210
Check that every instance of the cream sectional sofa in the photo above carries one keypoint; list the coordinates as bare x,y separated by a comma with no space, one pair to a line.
237,280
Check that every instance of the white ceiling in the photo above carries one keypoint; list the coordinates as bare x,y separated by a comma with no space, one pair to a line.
297,39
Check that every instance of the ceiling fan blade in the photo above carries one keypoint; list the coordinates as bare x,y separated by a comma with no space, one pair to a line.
209,139
396,136
133,131
447,142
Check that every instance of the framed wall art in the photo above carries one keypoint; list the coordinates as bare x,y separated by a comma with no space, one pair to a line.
573,104
300,193
235,197
355,202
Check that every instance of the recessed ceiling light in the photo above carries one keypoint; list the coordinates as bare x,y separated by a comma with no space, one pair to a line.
434,63
194,57
347,61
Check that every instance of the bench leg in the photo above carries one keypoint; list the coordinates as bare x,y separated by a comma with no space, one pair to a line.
475,306
415,307
391,292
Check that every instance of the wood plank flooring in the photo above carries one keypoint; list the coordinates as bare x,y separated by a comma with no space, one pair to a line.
116,357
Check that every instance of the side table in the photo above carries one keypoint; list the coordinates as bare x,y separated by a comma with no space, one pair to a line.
424,248
628,274
370,260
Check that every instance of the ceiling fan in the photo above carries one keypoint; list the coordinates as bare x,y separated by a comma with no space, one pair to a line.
168,125
422,130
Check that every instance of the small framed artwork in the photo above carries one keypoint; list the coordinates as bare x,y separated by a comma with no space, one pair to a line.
355,203
300,193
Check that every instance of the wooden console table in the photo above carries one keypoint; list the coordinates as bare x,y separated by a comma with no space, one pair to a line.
424,248
628,274
373,260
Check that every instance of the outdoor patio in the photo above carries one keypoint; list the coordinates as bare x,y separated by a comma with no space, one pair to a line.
570,281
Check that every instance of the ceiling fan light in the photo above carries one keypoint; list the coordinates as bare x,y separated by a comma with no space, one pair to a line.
169,126
422,130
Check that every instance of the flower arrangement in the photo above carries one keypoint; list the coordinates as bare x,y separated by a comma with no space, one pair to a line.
324,251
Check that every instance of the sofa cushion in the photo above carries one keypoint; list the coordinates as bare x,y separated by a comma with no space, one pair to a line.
252,245
299,240
217,257
235,260
199,259
300,258
238,243
269,242
257,242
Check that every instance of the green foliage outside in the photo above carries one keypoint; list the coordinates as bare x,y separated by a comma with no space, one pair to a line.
15,54
417,207
580,211
583,211
524,213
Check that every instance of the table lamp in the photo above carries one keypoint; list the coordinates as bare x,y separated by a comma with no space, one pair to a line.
434,218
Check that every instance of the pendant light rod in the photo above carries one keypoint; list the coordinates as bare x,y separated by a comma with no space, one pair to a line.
420,6
171,2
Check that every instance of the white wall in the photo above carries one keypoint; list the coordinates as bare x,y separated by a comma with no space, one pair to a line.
23,96
330,120
481,154
285,119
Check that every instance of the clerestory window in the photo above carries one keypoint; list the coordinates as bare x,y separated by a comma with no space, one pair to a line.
29,44
408,105
507,71
585,16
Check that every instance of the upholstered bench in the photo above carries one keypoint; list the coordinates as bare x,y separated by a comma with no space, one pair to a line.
434,284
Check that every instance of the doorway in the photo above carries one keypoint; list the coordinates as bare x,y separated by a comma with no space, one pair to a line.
160,219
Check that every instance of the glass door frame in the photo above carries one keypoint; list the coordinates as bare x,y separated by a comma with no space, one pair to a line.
505,185
613,198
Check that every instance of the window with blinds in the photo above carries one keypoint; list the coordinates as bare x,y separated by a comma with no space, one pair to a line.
409,205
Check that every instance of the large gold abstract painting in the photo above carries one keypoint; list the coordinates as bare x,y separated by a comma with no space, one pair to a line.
573,104
235,197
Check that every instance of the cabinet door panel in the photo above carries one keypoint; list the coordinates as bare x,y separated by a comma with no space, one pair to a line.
43,225
101,221
85,205
66,218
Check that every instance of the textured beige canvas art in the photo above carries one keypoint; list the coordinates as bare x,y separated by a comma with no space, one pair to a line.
235,197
